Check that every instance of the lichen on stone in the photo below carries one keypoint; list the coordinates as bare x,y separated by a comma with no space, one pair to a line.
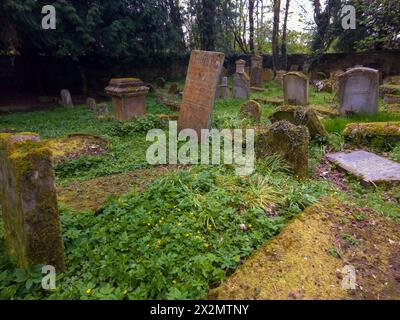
287,140
372,133
300,116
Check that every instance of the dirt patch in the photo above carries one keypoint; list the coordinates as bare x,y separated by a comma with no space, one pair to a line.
325,171
307,260
75,146
92,194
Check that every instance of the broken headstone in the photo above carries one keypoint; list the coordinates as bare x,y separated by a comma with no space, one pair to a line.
251,110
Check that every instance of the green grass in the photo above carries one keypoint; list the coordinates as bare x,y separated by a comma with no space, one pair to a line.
337,125
181,235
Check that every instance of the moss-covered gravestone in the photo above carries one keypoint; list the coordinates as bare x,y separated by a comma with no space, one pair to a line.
32,230
251,110
304,116
287,140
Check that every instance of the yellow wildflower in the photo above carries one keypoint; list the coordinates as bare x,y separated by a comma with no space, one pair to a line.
89,291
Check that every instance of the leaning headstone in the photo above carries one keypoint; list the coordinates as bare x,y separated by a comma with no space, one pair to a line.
300,116
241,81
287,140
223,92
359,91
32,230
91,104
256,71
296,88
268,75
66,99
200,90
251,110
368,167
128,98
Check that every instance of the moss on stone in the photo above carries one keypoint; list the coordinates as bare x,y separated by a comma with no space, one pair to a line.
376,133
300,116
251,110
393,89
287,140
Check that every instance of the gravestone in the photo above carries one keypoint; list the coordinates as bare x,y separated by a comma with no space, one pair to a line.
256,71
223,92
279,76
287,140
296,88
241,81
66,99
91,104
251,110
359,91
268,75
128,98
173,89
368,167
32,230
200,90
294,68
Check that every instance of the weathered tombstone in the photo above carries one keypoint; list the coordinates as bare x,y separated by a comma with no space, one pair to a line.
251,110
223,89
128,98
66,99
102,109
241,82
287,140
359,91
200,90
32,230
279,76
256,71
368,167
296,88
300,116
294,68
268,75
173,89
91,104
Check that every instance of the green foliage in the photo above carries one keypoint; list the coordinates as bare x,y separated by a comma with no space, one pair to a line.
140,125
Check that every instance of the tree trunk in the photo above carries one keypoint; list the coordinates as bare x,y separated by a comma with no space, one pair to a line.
284,61
207,25
176,20
251,23
275,35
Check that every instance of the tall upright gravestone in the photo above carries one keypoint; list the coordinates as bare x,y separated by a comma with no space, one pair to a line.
32,229
241,81
359,91
256,75
296,88
200,90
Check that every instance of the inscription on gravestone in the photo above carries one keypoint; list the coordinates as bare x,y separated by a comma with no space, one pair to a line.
359,91
200,90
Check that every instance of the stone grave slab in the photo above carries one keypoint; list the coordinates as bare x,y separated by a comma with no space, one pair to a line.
200,90
367,166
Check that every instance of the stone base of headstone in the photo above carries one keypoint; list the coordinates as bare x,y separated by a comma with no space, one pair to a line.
32,230
128,98
287,140
300,116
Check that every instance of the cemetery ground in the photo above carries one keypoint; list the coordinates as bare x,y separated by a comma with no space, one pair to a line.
133,231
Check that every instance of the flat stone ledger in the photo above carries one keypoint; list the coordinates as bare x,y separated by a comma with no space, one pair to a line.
128,98
200,90
359,91
368,167
256,75
296,87
32,229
